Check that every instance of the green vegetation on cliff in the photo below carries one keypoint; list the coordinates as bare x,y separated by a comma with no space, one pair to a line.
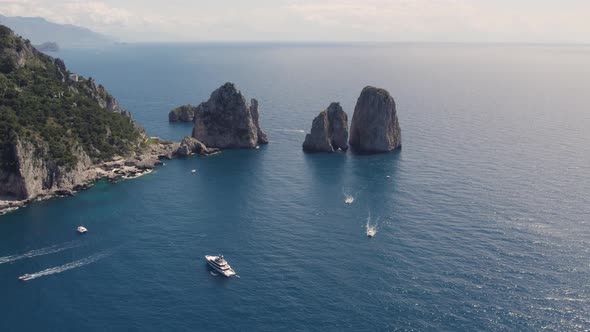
41,104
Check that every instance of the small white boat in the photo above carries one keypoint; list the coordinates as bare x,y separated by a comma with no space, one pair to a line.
25,277
371,230
348,199
220,265
81,229
194,171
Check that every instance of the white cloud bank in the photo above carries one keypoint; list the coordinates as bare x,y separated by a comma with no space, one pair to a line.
335,20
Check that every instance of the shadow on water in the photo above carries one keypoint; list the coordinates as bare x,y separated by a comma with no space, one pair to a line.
375,176
325,166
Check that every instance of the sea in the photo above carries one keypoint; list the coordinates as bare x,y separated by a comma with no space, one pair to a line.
480,221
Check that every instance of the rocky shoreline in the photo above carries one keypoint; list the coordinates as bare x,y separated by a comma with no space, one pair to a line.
119,168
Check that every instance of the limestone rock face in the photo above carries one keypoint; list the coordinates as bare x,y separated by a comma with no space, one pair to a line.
226,121
185,113
34,175
60,69
329,131
262,138
375,127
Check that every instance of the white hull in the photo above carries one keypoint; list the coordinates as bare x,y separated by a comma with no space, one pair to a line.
227,271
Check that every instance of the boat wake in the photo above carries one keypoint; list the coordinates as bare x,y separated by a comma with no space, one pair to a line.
301,131
371,230
213,273
41,252
69,266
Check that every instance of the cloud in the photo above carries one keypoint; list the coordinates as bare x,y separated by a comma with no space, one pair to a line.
97,15
369,20
449,20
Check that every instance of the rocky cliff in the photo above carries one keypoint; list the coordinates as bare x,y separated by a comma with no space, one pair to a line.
329,131
262,138
375,127
34,176
184,113
226,121
60,132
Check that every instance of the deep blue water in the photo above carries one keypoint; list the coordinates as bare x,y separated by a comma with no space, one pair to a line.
482,217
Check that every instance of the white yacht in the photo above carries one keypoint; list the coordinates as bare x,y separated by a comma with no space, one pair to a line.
81,229
219,264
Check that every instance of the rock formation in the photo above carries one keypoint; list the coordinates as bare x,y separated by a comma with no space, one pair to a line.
33,176
262,138
82,135
190,145
184,113
329,131
226,121
375,127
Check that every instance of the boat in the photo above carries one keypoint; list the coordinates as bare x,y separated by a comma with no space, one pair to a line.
371,231
194,171
81,229
348,199
25,277
219,264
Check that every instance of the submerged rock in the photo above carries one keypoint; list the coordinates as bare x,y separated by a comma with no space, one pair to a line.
184,113
375,127
226,121
329,131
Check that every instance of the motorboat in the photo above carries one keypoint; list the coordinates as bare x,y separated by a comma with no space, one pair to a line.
194,171
25,277
371,230
81,229
220,265
348,199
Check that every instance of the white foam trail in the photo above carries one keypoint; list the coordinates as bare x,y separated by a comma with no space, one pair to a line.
41,252
71,265
371,230
301,131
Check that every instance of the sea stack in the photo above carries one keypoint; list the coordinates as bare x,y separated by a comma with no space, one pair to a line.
184,113
375,127
226,121
329,131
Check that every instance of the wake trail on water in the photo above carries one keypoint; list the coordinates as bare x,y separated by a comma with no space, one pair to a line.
72,265
41,252
301,131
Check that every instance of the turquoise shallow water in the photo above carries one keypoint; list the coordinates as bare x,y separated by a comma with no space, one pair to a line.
482,217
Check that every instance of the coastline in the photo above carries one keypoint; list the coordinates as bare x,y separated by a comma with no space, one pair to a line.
119,168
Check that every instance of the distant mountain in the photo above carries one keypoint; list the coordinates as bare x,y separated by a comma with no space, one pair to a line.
38,30
48,47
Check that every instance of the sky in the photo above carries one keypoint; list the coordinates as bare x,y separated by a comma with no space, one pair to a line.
532,21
